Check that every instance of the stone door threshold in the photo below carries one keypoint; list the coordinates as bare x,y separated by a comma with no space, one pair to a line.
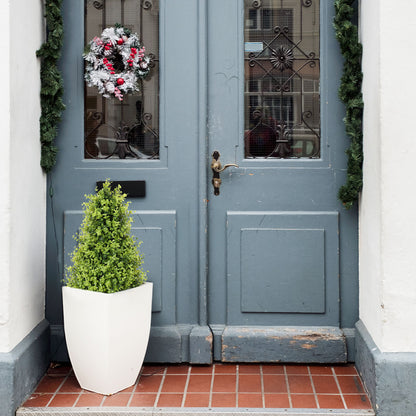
117,411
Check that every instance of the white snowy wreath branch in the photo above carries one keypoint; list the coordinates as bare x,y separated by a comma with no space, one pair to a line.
115,62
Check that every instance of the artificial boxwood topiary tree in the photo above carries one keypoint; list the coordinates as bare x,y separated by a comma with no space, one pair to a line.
107,257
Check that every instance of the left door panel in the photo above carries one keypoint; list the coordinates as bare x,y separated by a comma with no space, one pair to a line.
167,219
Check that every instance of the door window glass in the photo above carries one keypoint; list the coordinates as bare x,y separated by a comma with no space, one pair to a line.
282,104
128,128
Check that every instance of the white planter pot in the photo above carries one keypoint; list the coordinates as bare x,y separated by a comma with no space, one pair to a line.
107,335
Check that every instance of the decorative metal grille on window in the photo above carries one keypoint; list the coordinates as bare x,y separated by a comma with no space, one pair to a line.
282,104
127,129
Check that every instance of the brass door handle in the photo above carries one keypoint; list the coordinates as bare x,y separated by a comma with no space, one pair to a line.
217,168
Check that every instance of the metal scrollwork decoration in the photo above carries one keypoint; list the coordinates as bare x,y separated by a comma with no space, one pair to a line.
153,60
282,58
147,4
128,140
278,70
98,5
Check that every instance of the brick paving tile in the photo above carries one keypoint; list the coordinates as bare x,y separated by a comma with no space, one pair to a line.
273,369
148,384
70,385
297,369
89,399
274,383
320,369
350,384
197,400
63,400
223,400
224,383
333,401
303,401
38,400
300,384
324,384
276,400
199,383
203,369
117,400
249,383
249,369
174,384
357,401
225,368
345,370
170,400
153,369
250,400
49,384
143,400
178,369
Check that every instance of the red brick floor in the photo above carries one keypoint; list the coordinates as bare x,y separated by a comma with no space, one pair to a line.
218,385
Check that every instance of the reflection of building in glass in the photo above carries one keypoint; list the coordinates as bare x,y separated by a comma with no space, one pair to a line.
282,105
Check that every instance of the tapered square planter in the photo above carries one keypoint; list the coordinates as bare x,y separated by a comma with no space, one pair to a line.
107,335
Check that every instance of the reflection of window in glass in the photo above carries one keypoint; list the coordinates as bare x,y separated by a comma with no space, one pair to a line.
282,98
115,129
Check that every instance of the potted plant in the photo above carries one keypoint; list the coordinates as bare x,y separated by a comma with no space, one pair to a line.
106,300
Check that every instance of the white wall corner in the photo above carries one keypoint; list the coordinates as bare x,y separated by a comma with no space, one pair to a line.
371,309
398,155
23,205
387,214
5,181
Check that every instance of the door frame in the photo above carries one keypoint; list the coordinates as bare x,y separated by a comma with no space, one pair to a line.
193,342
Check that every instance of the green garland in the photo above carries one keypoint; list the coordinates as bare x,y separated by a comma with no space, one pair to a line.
351,96
51,83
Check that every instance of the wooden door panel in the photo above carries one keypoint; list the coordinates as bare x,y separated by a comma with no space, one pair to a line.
157,231
282,268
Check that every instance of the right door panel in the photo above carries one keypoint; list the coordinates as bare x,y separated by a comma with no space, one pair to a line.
276,228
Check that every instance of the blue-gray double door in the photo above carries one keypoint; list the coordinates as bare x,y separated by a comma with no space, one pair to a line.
264,271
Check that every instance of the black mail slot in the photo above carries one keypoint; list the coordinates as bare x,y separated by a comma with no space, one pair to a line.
133,189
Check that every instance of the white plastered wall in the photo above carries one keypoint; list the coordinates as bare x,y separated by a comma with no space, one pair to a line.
5,179
22,204
388,203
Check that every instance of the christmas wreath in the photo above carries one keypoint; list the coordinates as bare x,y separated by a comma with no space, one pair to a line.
115,62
